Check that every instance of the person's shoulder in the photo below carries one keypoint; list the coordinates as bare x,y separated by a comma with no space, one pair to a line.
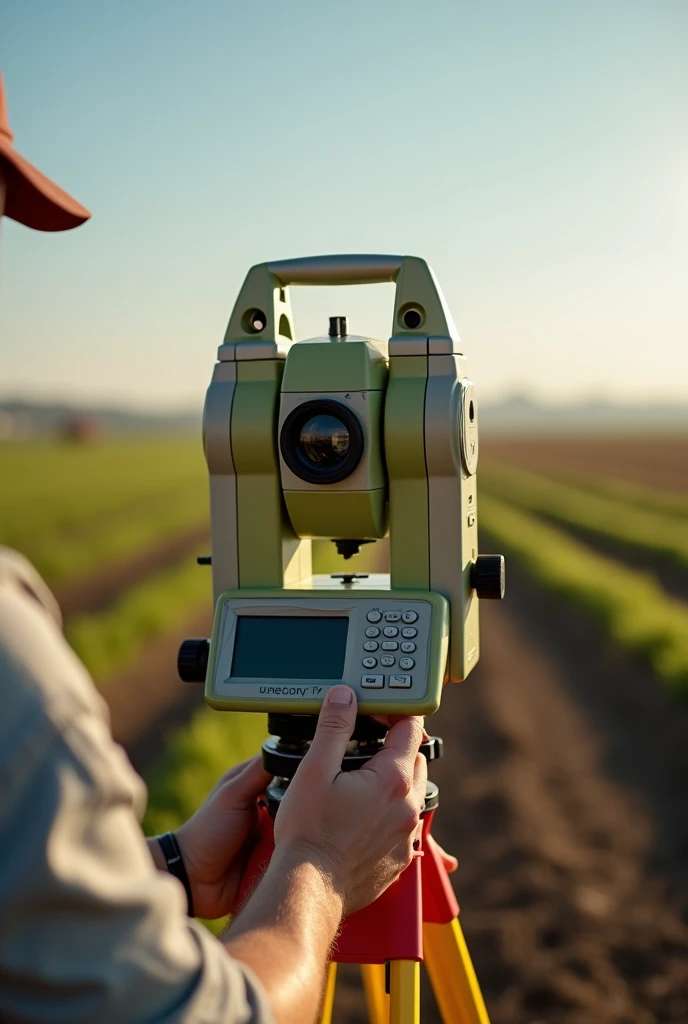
40,675
17,574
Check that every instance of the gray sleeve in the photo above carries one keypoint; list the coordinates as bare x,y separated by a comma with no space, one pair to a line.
89,929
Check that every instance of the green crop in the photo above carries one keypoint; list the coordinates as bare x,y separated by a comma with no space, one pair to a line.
631,606
635,525
57,488
99,544
107,640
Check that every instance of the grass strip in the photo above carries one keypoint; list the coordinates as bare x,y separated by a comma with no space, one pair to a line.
600,514
107,640
54,487
63,557
631,606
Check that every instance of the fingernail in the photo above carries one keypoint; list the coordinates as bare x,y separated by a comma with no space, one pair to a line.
339,695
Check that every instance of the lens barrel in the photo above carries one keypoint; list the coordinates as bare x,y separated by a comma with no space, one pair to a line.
322,441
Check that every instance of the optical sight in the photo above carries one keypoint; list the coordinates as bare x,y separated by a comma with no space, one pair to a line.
328,445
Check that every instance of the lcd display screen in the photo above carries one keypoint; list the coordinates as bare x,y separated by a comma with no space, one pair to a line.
287,647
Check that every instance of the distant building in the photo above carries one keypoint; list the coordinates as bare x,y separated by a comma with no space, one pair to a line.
81,429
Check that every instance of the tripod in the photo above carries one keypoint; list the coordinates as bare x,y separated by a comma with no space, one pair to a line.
415,919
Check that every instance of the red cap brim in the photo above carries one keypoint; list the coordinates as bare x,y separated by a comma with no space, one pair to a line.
34,200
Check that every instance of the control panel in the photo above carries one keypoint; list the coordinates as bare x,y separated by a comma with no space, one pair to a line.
283,650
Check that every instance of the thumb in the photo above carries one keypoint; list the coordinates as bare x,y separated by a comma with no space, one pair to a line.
335,724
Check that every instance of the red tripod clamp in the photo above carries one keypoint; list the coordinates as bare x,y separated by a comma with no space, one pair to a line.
391,928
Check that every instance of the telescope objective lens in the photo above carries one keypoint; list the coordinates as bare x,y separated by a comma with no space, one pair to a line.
324,440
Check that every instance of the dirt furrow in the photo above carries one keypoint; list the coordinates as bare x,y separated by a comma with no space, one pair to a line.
650,462
148,700
562,793
100,588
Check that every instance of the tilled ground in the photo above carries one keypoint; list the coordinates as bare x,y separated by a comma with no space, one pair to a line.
563,793
652,462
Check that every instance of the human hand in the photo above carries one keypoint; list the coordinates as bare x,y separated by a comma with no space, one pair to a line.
357,827
215,842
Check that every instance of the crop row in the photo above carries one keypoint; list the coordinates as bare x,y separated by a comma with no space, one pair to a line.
99,545
109,639
53,488
631,522
631,606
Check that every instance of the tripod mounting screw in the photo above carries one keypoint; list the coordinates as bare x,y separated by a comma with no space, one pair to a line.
488,577
192,660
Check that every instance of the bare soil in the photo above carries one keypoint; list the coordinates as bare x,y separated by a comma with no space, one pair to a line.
98,589
652,462
148,701
563,793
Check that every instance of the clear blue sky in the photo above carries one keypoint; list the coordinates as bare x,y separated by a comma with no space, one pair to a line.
534,151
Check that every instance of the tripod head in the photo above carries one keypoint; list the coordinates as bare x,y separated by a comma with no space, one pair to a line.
290,737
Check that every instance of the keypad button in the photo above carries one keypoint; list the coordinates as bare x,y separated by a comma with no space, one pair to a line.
372,645
372,631
389,645
408,647
409,632
406,663
369,662
390,631
374,616
410,617
387,660
393,616
372,682
400,682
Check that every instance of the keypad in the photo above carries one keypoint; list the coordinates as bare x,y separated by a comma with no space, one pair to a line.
383,640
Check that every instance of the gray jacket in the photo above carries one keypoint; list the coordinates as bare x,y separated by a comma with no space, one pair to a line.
89,929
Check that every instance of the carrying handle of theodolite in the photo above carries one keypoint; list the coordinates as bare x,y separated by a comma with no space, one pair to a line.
333,270
262,311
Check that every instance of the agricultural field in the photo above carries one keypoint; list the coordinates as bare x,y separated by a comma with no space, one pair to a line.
565,776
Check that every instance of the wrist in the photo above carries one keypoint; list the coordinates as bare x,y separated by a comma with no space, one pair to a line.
167,856
310,868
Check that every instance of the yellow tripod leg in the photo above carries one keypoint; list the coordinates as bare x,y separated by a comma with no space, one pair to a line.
404,998
452,976
377,999
328,998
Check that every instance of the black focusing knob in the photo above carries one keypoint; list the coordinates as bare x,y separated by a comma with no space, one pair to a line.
192,660
488,577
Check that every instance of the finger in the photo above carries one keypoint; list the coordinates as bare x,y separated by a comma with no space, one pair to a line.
232,772
247,786
398,756
420,781
335,724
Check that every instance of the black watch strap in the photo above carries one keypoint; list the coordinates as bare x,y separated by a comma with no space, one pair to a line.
175,864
